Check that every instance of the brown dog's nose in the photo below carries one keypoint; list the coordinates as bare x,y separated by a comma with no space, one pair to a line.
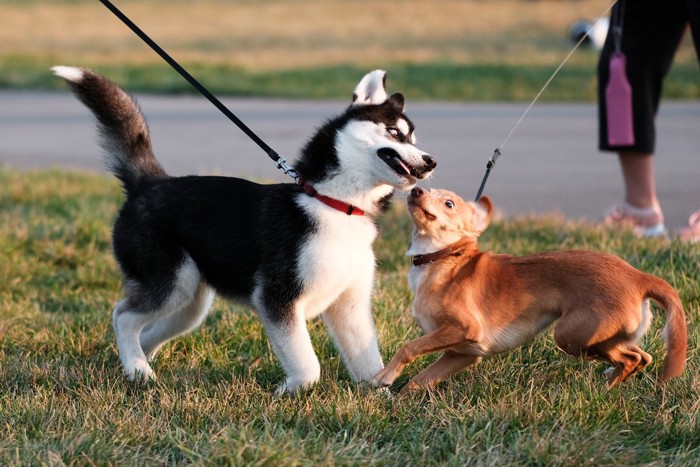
417,192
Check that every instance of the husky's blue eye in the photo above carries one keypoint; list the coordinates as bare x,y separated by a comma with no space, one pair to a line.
449,204
393,132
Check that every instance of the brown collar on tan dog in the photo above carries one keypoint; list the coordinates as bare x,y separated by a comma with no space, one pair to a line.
455,249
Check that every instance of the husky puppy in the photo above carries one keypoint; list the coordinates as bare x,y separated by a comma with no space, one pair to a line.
291,251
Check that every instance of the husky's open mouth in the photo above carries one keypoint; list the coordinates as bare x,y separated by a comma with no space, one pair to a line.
393,160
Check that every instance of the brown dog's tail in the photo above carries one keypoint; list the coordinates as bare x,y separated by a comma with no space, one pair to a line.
674,333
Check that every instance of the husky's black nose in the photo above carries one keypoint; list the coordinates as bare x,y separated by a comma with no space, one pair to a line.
417,192
429,161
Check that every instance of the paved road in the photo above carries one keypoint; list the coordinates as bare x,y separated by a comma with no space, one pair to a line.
551,163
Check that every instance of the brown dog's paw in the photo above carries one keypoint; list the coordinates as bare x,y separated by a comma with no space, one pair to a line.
410,388
384,378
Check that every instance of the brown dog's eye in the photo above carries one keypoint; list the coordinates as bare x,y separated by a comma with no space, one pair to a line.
449,204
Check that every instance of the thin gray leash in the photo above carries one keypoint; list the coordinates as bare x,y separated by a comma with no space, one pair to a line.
497,152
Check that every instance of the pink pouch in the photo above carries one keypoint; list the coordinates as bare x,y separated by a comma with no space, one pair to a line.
618,97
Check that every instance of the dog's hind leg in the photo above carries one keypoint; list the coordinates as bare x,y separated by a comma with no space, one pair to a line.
616,371
645,360
128,323
625,363
350,324
610,340
145,305
163,329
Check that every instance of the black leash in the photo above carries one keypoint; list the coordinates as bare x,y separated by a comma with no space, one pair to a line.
272,154
489,165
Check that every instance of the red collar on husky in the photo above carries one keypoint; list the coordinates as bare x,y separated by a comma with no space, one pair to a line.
336,204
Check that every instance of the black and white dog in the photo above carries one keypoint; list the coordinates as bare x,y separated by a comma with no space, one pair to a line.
292,251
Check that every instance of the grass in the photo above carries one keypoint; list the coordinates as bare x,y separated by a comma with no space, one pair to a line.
63,399
496,50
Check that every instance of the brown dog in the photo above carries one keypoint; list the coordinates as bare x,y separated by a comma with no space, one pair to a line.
472,304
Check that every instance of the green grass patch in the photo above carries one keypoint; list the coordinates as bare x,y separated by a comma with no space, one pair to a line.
500,50
63,398
433,81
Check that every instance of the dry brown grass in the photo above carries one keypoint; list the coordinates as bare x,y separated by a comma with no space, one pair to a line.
279,34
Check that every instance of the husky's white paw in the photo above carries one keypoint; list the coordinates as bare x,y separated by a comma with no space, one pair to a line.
292,387
140,372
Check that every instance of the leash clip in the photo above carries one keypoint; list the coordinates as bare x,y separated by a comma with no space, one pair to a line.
282,164
489,165
492,161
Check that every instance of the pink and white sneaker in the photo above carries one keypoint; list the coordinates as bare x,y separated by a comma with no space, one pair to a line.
692,232
645,222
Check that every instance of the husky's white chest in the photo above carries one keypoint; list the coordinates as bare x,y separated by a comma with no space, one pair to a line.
335,257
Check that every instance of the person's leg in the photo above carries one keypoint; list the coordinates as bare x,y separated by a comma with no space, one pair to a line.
651,34
638,175
640,209
691,233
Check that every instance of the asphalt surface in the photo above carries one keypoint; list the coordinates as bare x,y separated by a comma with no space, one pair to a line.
550,165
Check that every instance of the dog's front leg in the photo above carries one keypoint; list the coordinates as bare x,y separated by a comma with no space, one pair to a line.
447,365
441,339
292,344
349,321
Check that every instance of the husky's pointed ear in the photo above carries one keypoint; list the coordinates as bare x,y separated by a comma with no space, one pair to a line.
371,89
398,101
483,209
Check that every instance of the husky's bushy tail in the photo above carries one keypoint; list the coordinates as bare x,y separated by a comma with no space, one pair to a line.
123,130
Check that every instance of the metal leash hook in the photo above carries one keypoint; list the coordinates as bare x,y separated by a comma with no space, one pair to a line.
489,165
282,164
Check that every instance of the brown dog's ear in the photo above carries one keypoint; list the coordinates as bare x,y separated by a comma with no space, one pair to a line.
484,210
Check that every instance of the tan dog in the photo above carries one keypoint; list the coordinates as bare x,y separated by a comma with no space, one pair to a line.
472,304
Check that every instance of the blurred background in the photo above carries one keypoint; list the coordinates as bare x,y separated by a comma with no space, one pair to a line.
468,68
450,50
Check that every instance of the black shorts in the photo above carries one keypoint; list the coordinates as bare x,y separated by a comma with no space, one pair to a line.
652,31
